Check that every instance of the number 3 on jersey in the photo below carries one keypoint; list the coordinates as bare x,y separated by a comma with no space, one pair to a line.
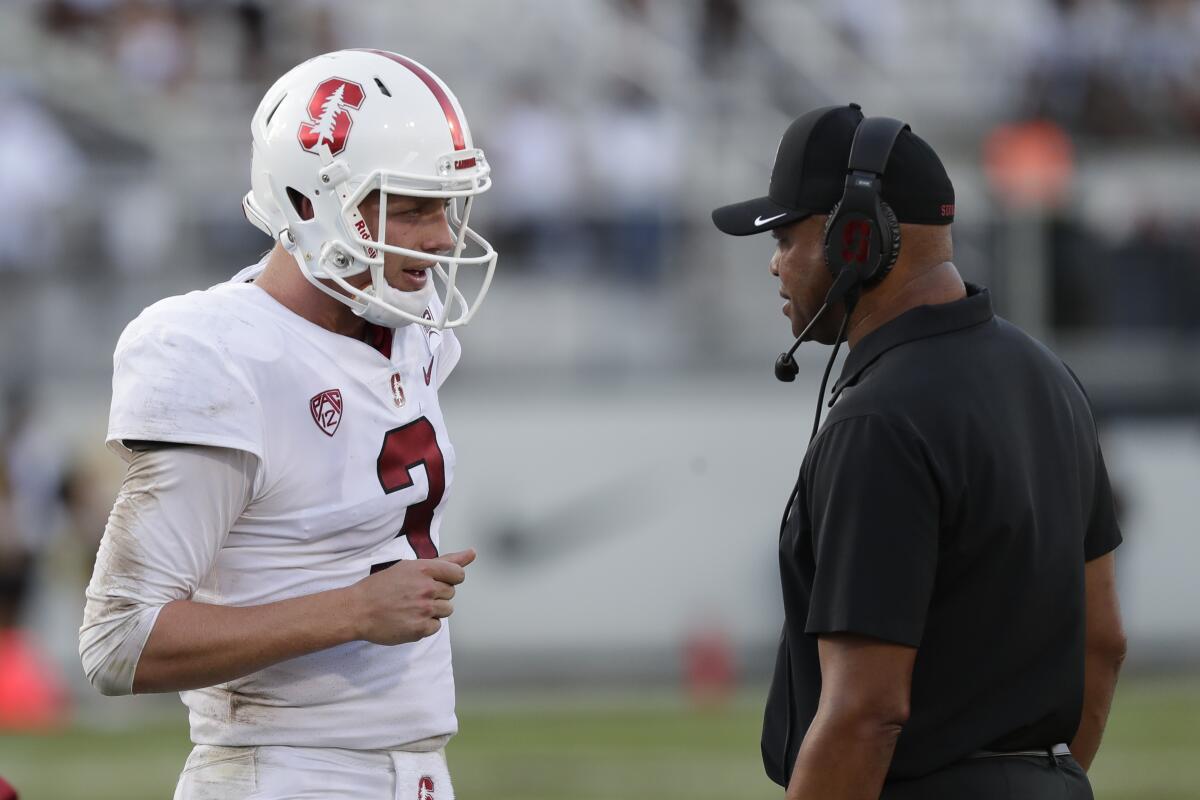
404,449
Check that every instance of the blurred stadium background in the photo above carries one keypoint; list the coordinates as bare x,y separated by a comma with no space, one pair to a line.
624,451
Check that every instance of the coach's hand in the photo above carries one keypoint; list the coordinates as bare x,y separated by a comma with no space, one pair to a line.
408,600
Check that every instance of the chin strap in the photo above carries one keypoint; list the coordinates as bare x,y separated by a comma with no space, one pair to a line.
414,303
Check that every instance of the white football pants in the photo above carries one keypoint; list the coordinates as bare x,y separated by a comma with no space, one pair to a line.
312,773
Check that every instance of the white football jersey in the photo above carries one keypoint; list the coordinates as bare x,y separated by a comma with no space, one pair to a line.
354,471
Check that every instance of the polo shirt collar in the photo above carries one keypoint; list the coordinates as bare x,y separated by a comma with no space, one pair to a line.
916,323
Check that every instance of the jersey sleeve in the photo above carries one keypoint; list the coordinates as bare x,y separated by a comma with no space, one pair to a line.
173,513
176,379
875,516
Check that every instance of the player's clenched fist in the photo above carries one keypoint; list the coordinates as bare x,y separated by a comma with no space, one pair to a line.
408,600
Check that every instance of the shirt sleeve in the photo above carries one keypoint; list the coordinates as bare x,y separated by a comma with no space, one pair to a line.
171,516
175,379
875,515
1103,532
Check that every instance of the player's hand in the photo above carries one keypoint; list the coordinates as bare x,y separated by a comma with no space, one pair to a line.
408,600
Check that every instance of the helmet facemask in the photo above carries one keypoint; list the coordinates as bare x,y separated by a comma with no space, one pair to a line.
353,250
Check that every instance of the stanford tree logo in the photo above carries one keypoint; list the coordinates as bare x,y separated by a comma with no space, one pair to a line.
329,115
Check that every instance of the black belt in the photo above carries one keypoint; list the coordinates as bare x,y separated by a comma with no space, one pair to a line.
1055,752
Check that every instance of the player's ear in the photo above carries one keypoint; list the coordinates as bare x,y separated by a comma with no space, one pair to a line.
300,202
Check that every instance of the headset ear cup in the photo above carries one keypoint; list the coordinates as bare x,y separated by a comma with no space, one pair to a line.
889,227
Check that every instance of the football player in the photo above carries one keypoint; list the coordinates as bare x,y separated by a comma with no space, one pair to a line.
274,553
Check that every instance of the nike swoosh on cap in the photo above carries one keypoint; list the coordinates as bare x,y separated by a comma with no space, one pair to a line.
761,221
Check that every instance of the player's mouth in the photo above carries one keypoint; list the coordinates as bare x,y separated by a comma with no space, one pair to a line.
413,278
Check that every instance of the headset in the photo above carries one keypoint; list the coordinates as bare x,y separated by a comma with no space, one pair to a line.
862,234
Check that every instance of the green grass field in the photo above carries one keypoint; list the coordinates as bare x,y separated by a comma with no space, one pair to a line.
623,747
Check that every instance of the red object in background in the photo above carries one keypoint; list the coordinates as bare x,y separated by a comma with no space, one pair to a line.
7,792
708,665
1029,164
32,695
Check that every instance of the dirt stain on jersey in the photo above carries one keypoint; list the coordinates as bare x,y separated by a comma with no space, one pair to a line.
113,603
237,702
247,708
218,773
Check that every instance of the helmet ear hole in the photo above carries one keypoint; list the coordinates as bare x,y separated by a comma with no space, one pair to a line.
301,203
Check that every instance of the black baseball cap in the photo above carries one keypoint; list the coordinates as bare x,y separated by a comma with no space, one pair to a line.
809,177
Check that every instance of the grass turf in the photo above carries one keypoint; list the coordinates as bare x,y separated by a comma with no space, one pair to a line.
626,747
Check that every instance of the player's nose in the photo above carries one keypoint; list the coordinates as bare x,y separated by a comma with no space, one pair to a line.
438,237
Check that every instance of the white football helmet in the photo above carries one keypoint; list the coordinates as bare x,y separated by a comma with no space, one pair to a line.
345,124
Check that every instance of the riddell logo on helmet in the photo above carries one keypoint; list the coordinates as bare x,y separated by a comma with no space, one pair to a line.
361,227
329,115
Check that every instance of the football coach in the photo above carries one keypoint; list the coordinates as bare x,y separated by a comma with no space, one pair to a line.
951,622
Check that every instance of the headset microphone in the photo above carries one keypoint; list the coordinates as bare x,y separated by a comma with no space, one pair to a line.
786,368
844,286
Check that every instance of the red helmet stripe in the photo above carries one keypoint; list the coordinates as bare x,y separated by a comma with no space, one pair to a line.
456,131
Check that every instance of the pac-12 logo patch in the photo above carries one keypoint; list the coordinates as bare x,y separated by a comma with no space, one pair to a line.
329,115
326,410
425,788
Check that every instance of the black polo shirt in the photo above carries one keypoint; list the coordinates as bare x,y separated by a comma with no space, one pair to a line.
948,503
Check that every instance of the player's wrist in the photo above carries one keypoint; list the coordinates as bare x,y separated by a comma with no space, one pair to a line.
348,617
